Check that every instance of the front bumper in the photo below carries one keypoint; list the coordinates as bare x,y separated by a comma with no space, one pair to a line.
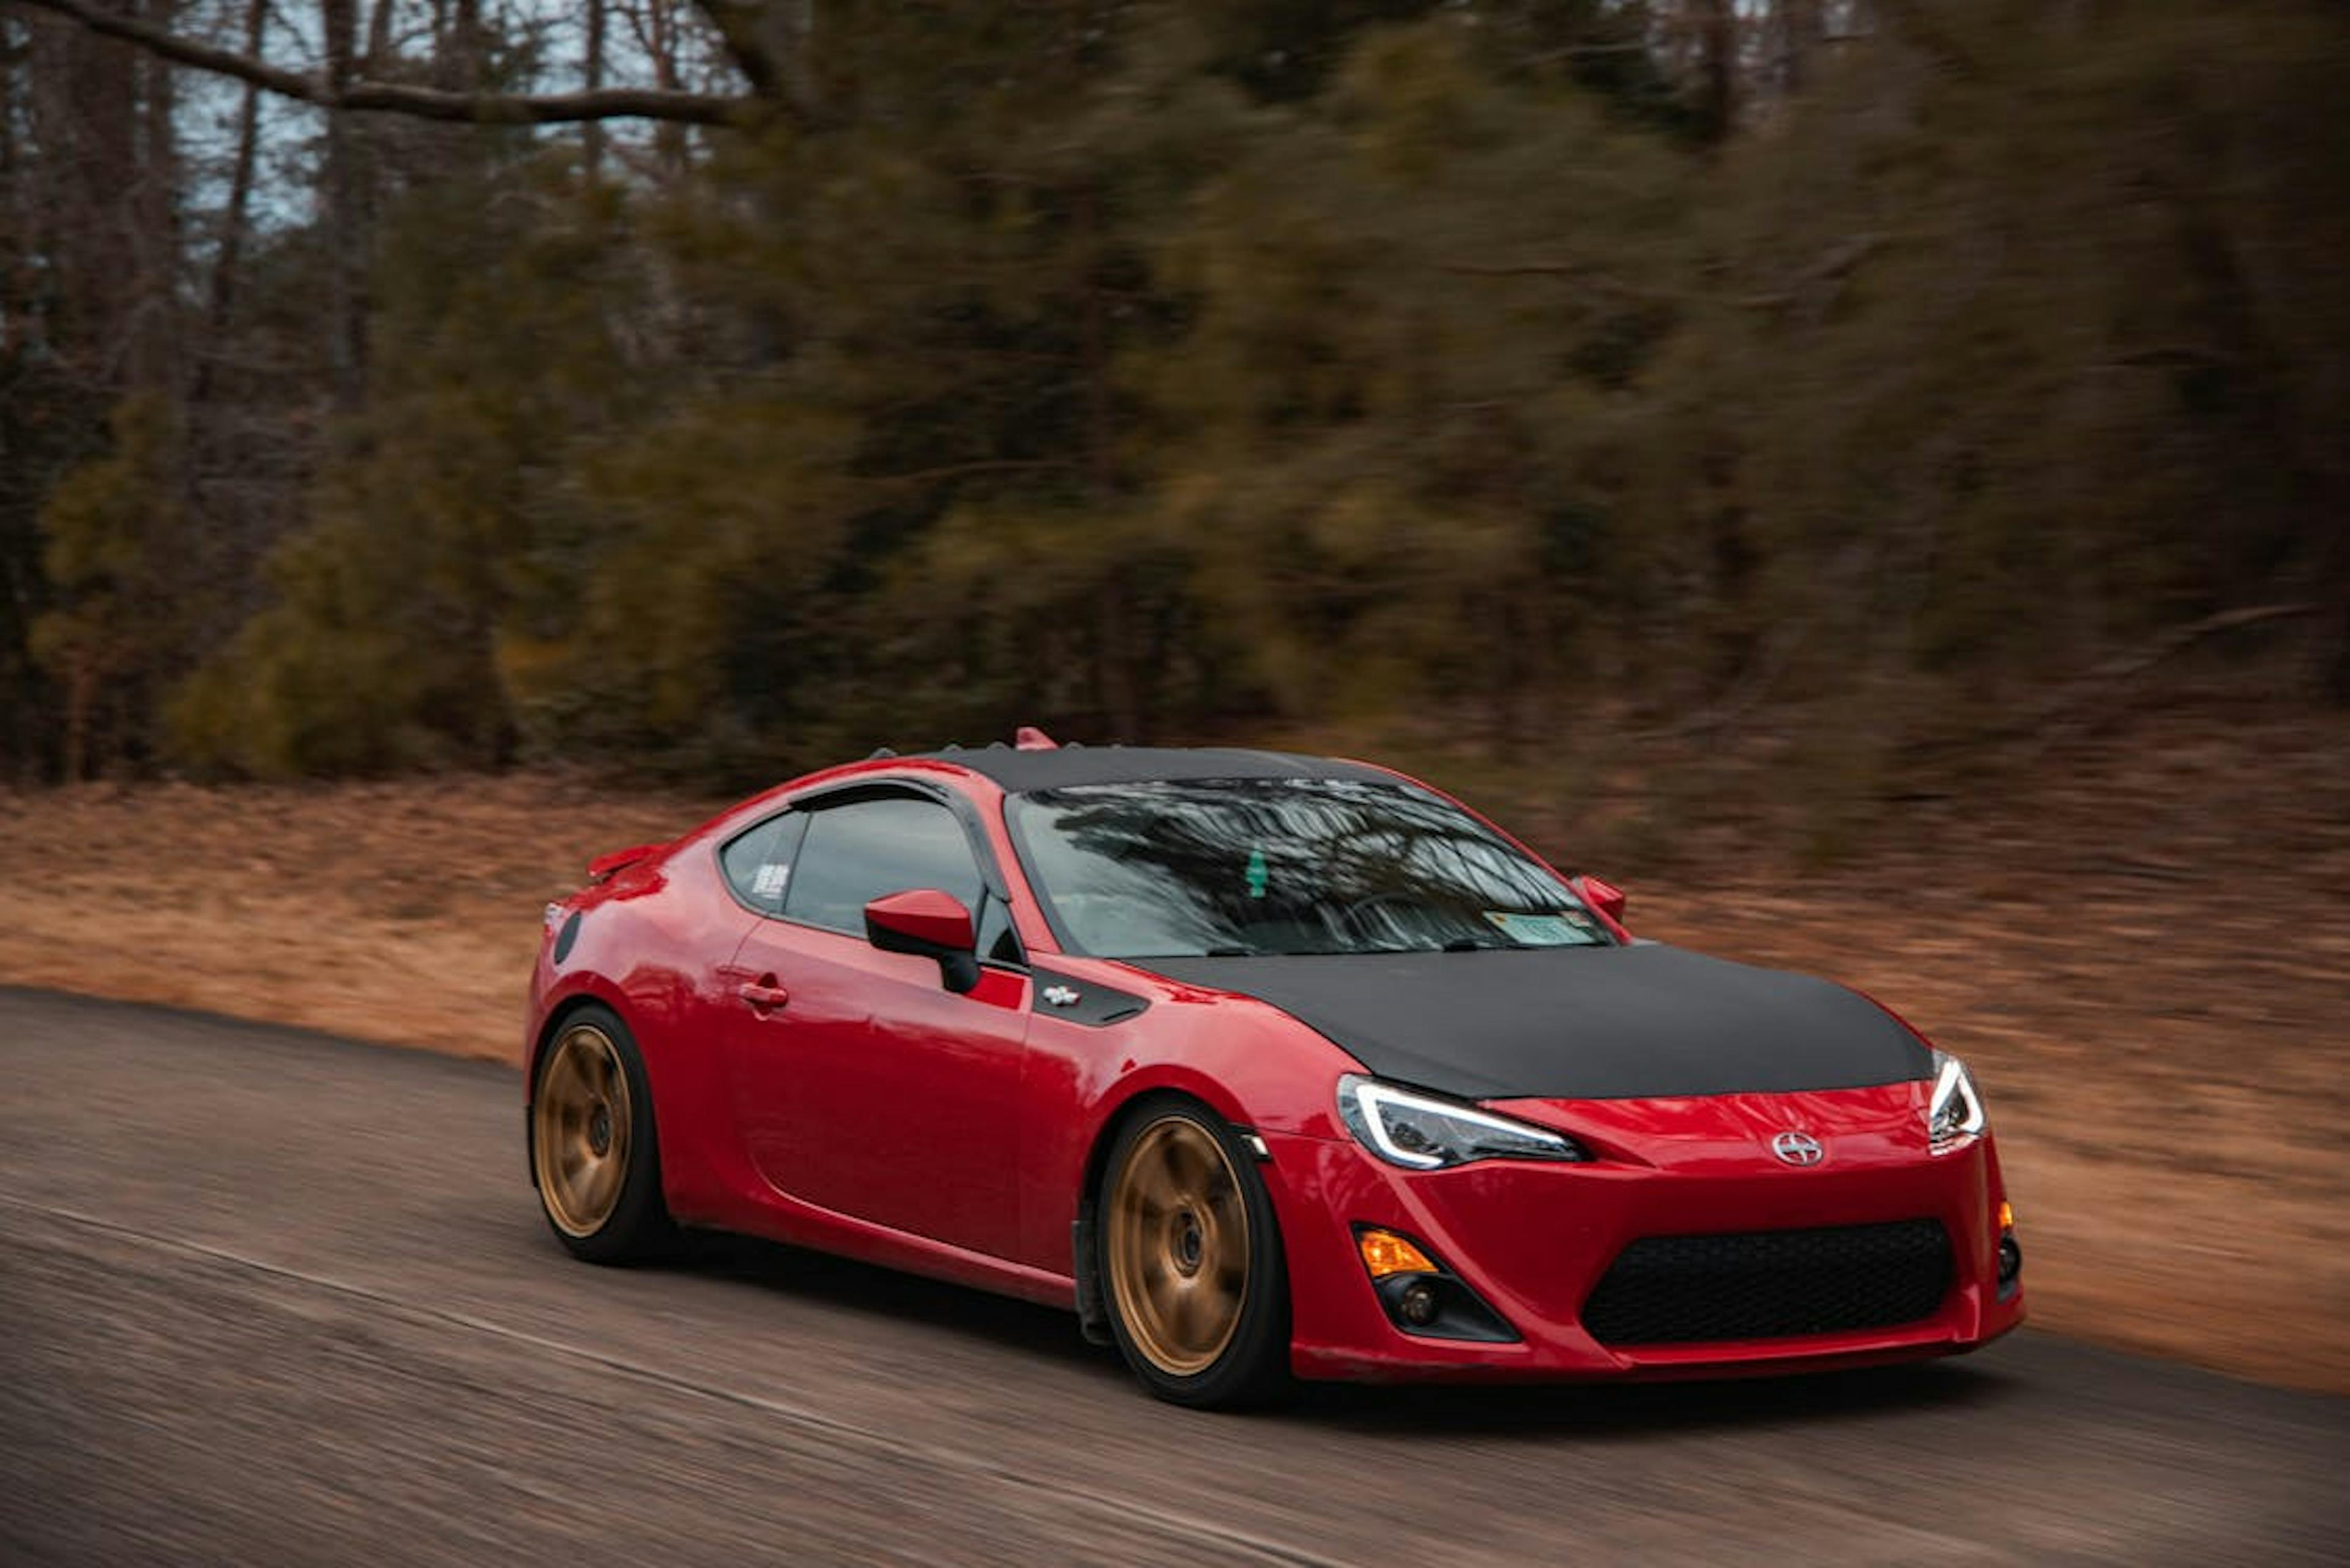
1534,1240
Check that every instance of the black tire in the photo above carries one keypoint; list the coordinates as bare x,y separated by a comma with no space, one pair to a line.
629,1223
1246,1364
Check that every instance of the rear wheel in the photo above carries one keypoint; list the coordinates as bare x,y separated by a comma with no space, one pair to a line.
592,1145
1191,1259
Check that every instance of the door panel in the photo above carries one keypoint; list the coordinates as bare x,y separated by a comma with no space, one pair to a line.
860,1084
875,1092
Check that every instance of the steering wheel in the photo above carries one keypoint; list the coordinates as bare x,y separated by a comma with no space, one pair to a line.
1353,913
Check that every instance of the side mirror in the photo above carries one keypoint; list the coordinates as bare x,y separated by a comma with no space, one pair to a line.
1604,897
925,921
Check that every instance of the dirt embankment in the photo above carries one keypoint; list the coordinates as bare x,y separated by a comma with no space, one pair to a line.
2145,952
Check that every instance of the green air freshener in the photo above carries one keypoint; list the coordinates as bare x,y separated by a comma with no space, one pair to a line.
1256,874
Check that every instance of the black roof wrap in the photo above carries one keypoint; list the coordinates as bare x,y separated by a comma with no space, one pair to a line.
1064,767
1640,1021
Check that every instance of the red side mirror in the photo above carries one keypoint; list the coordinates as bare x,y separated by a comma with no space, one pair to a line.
1604,897
933,924
922,915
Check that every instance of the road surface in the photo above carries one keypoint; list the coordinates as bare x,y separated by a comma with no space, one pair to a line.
271,1297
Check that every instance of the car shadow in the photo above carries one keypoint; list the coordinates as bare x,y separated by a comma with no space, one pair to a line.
1588,1411
1601,1411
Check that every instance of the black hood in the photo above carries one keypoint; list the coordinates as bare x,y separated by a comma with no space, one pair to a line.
1596,1024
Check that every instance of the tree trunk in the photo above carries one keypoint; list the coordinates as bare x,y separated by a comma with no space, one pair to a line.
15,232
346,240
1717,66
220,302
799,60
1799,32
79,116
82,696
591,136
156,219
669,140
1116,679
468,41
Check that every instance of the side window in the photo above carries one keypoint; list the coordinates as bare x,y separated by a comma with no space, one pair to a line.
758,861
856,853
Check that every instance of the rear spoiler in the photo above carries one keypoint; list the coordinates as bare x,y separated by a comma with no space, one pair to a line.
605,866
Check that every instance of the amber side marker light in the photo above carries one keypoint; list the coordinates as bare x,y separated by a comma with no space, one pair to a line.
2009,1256
1385,1253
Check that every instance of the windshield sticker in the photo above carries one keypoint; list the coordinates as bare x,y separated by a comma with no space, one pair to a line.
1540,930
1257,874
769,882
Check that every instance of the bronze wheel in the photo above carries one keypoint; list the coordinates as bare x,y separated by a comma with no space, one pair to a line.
583,1126
1178,1246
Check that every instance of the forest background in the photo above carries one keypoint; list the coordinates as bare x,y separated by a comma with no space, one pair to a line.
706,391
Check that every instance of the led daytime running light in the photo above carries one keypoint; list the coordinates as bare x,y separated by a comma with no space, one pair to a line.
1422,1132
1954,1113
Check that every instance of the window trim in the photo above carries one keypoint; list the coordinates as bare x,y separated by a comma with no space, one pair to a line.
851,791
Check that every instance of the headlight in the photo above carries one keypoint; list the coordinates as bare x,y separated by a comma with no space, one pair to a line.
1954,1116
1421,1132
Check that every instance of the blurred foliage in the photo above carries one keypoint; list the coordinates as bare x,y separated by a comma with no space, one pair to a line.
112,531
1419,371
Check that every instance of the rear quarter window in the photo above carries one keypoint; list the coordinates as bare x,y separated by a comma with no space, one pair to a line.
757,862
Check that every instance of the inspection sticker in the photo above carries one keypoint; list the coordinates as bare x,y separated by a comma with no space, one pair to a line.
1540,930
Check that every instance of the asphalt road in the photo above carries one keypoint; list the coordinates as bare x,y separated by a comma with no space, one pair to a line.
270,1297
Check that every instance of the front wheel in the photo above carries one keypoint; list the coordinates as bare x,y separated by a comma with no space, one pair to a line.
592,1147
1191,1259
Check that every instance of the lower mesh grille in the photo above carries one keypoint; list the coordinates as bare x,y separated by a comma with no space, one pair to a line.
1768,1284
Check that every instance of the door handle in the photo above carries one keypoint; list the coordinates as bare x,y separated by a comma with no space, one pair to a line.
763,994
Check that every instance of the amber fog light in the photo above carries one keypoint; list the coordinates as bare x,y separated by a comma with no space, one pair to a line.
2011,1255
1421,1296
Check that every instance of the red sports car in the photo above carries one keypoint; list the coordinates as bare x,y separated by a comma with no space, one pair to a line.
1263,1064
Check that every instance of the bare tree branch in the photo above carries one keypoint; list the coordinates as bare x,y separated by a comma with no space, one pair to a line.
399,98
1598,282
1834,268
2089,699
1831,268
980,466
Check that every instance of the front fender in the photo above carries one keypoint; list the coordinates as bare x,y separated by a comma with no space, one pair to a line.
1249,1063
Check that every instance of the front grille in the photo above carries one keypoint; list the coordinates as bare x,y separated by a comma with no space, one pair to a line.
1767,1284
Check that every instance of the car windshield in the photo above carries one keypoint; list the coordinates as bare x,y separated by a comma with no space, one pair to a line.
1260,867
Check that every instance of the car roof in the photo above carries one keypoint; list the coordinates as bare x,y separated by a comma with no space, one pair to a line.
1020,770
